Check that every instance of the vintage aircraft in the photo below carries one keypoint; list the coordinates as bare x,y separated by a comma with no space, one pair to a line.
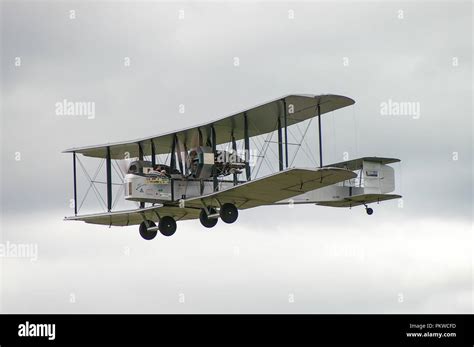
200,181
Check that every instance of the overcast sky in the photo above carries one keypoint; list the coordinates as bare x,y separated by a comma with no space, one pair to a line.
410,257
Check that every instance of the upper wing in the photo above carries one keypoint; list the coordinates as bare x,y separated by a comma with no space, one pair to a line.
261,119
273,188
131,217
357,200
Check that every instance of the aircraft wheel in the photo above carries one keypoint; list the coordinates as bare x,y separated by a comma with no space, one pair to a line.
369,211
205,221
167,226
145,233
229,213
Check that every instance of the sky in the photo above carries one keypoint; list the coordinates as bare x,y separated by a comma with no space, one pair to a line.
140,63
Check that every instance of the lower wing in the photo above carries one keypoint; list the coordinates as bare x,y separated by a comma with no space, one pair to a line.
272,188
132,217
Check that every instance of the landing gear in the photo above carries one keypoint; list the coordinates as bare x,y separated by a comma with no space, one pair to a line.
205,220
229,213
145,231
368,210
167,226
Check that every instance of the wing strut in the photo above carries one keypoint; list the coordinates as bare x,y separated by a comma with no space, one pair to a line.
109,180
75,182
213,143
173,153
247,146
180,156
280,145
286,133
173,164
153,159
140,157
200,138
320,137
140,151
234,150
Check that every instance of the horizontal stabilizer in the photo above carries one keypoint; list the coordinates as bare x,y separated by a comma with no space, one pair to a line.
356,164
357,200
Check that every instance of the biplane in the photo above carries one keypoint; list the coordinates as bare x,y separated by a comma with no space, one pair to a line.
204,175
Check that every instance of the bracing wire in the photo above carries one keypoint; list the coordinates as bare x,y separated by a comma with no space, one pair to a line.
301,142
92,185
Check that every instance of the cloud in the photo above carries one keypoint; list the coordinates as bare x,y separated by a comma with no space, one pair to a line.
370,267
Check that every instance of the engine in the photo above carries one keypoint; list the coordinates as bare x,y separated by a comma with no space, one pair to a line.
203,164
228,163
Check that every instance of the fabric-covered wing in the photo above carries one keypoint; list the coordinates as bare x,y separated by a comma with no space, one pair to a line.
273,188
132,217
357,200
261,119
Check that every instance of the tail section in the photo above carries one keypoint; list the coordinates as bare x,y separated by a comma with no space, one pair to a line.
374,182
